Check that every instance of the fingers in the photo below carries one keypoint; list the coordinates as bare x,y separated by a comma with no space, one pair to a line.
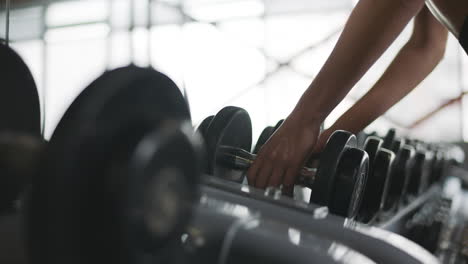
263,175
276,178
253,171
290,177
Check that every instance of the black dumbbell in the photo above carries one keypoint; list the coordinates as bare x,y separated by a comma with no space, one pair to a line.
264,136
19,98
231,126
20,125
381,163
389,139
120,170
401,172
203,126
339,180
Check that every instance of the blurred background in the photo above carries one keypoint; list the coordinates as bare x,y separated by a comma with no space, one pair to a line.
257,54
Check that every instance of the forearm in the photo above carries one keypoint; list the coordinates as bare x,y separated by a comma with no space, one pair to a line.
411,66
365,37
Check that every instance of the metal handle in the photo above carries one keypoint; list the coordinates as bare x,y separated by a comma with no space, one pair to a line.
240,159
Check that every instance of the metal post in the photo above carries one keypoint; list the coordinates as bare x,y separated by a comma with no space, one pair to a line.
7,24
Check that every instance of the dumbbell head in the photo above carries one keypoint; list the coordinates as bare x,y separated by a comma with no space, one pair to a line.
389,139
397,145
19,158
400,174
80,202
341,175
372,146
264,136
417,173
279,124
19,99
350,183
378,183
203,126
162,188
230,127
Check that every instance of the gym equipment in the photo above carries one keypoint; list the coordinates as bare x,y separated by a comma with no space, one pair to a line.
375,244
397,146
118,184
232,127
378,181
372,145
401,172
203,126
20,115
264,136
95,199
339,180
419,172
19,158
389,139
19,100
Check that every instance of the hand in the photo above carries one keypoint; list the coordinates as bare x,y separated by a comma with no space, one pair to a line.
280,159
322,140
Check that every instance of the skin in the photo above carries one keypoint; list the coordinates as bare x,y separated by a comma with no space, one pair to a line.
415,61
451,13
279,161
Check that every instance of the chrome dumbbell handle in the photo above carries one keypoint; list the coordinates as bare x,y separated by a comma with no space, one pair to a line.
240,159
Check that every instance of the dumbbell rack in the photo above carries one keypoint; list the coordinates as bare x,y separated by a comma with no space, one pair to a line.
398,222
248,203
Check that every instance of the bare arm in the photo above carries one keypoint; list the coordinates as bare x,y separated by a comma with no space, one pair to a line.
415,61
371,28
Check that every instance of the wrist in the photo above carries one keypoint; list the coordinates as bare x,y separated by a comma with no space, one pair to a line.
306,116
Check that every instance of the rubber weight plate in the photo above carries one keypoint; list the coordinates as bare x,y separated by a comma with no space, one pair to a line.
203,126
279,124
19,100
416,173
397,146
400,173
437,167
161,191
264,136
426,171
350,183
230,127
376,184
325,181
372,146
389,139
76,200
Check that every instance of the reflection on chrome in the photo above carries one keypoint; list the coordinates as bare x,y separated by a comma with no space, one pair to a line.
246,223
321,212
398,241
294,236
245,189
225,207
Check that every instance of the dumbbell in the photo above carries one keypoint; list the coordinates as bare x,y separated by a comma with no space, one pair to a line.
203,126
230,126
123,151
339,180
381,163
19,99
265,135
20,117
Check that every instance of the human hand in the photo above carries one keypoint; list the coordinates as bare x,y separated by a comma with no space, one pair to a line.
285,153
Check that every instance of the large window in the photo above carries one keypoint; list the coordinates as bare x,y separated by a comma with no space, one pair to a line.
257,54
